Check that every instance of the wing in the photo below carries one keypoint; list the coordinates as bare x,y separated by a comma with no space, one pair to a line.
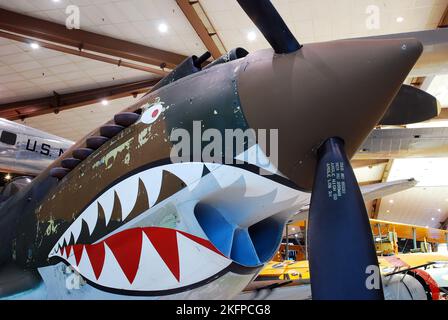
403,143
369,192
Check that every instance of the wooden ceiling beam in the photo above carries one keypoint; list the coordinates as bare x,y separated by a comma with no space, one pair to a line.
377,202
444,20
81,40
419,81
193,17
76,52
58,102
367,163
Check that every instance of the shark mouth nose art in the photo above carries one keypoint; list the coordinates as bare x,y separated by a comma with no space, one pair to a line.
142,258
127,199
118,244
146,259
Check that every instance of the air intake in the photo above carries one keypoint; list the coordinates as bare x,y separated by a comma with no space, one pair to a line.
250,246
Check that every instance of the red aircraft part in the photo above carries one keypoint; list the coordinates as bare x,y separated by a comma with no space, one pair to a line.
429,281
126,247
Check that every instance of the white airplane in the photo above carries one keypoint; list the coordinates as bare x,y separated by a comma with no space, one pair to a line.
26,150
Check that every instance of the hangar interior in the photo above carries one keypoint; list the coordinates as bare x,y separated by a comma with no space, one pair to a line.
28,74
69,82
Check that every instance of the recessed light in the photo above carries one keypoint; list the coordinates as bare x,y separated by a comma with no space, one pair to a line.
56,0
293,229
433,219
104,102
162,28
400,19
252,36
34,45
440,210
388,211
391,201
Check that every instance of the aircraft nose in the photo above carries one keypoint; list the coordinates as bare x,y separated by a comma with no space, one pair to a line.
339,88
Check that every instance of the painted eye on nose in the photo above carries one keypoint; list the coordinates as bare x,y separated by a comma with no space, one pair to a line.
152,114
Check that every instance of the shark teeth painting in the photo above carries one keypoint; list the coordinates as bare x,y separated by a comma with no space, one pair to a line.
118,243
131,197
146,259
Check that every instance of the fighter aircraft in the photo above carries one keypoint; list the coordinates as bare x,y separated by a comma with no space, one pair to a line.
119,212
26,150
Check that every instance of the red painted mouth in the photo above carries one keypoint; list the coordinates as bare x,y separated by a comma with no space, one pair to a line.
126,247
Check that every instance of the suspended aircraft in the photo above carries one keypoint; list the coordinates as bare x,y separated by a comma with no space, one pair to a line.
28,151
117,213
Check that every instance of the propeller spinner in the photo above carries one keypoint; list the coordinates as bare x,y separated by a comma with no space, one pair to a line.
337,92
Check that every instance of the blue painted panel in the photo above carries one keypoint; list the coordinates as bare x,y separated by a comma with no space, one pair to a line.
248,247
216,227
266,237
243,250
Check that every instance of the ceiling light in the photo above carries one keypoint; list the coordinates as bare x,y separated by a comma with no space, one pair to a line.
391,201
162,28
388,211
400,19
433,219
56,0
440,210
104,102
252,36
293,229
8,177
34,45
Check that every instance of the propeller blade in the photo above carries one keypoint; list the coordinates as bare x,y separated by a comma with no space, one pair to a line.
341,249
411,105
271,25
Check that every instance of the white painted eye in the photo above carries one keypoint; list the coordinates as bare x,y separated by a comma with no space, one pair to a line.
151,115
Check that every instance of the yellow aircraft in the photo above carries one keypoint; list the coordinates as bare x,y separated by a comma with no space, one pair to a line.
293,273
299,270
285,270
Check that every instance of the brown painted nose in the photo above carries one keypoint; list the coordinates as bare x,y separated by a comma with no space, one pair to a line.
339,88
